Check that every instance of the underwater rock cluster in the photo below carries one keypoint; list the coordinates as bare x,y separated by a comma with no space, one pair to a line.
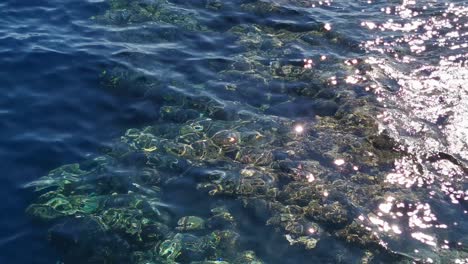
300,146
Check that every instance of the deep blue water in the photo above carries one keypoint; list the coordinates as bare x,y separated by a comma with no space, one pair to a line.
51,110
55,110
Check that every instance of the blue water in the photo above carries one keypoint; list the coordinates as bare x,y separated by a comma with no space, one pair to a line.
51,110
55,109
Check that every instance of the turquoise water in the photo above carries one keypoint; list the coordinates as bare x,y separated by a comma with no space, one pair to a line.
350,114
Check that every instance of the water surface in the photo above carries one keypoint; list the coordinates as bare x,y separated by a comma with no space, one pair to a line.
78,74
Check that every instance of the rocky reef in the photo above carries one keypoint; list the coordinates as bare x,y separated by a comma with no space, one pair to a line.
281,127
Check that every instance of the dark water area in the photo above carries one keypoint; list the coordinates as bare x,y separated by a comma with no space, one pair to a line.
51,111
298,131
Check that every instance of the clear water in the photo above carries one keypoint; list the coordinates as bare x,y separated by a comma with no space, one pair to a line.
75,79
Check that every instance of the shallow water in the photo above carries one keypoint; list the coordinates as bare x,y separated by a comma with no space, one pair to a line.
76,79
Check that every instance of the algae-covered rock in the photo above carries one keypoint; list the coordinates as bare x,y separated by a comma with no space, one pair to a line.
127,12
190,223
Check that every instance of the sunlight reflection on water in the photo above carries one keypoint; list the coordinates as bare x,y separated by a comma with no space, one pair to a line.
425,54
